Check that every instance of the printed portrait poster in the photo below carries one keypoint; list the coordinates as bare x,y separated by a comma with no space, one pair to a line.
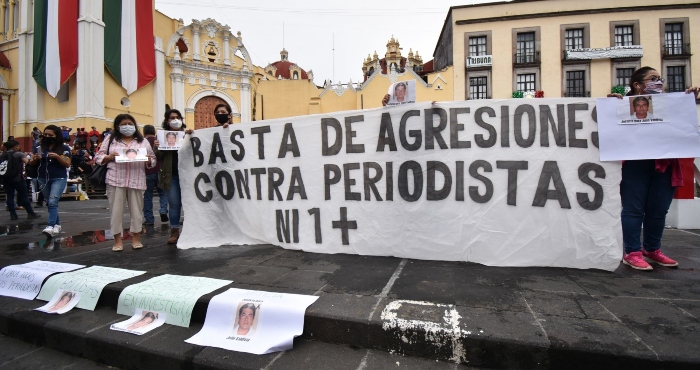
169,140
131,155
141,323
403,92
670,129
253,321
61,302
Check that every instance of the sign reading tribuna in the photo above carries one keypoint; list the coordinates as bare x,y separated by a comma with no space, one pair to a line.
499,182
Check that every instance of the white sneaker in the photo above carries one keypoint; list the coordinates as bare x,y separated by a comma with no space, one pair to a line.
48,231
56,229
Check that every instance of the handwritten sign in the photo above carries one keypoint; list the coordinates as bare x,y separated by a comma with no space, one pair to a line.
172,295
24,281
89,282
253,321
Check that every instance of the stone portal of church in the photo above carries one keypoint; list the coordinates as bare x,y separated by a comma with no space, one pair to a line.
204,112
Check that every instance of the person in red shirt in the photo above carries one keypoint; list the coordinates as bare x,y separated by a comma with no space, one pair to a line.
93,139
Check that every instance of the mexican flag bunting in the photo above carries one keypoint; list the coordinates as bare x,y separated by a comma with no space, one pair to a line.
129,49
55,43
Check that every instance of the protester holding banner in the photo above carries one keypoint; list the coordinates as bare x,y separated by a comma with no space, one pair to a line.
169,176
126,182
222,113
54,159
647,189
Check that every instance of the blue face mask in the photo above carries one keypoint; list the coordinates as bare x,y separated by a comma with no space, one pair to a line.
127,130
654,87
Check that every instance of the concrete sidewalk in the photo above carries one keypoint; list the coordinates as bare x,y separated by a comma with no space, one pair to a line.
372,309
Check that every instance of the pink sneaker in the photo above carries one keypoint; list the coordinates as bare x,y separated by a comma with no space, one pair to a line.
636,261
659,258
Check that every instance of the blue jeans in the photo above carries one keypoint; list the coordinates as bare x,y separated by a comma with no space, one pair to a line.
646,196
152,184
52,193
175,202
23,199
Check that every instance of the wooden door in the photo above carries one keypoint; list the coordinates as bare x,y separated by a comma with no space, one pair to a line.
204,112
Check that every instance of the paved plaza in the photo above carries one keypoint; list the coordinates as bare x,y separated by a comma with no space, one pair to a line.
372,312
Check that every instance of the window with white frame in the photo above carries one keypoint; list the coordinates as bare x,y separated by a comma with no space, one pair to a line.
525,47
573,38
674,39
477,46
624,35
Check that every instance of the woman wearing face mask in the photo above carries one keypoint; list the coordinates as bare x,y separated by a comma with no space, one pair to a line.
222,113
169,176
647,189
126,182
54,161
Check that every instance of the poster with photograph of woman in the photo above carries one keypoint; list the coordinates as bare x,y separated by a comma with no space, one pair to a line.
246,319
253,321
641,109
131,155
169,140
61,302
141,323
403,92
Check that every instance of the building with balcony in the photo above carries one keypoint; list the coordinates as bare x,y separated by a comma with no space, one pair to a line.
567,48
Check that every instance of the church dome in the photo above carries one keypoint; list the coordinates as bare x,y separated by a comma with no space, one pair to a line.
285,69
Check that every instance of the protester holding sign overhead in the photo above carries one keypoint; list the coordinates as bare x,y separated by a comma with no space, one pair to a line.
647,187
126,182
169,176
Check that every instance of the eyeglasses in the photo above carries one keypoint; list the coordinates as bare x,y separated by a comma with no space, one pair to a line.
655,79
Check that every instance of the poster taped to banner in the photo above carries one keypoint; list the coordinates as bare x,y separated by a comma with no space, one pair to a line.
173,295
24,281
500,182
61,302
253,321
648,127
403,92
89,282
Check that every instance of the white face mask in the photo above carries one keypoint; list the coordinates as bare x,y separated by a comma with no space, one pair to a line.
176,124
127,130
654,87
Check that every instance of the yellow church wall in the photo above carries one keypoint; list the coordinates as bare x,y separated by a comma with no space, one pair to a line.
331,102
284,98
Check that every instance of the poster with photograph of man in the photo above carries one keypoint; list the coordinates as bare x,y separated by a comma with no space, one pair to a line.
141,323
61,302
131,155
253,321
641,109
403,92
246,319
169,140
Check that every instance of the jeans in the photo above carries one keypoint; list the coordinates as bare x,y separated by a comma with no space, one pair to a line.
646,196
151,184
175,202
52,192
22,198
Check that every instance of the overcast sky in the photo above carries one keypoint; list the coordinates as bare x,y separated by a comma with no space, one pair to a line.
357,28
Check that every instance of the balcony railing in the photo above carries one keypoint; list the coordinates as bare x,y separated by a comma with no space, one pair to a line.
525,58
676,50
579,94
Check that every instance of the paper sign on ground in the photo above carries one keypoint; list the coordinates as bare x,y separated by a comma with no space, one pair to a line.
141,323
403,92
131,155
173,295
89,282
61,302
676,135
169,140
253,321
24,281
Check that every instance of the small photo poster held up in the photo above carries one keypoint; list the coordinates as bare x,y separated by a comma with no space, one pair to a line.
131,155
24,281
670,129
403,92
141,323
169,140
642,109
253,321
62,302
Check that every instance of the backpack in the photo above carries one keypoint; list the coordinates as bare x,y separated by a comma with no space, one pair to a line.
9,166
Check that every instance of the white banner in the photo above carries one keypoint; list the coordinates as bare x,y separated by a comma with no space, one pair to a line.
24,281
634,51
498,182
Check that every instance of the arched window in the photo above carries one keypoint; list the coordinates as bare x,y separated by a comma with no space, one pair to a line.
295,76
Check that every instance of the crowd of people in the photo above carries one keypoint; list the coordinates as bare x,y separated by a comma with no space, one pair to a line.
646,189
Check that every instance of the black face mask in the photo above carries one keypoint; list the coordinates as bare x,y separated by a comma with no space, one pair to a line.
48,140
221,117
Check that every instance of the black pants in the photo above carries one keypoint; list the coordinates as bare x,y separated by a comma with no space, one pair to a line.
21,188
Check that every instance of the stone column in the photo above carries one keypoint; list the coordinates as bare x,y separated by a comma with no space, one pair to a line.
91,70
227,49
195,31
245,100
178,86
28,109
159,86
5,117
